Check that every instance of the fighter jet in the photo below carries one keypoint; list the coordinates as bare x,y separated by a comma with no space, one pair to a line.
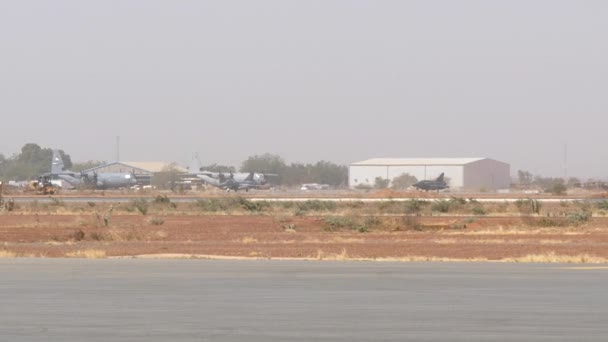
90,179
428,185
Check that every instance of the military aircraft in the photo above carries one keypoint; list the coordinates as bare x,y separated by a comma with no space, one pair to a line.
234,181
230,182
90,179
428,185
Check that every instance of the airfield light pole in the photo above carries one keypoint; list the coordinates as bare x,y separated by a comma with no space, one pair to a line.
118,148
566,162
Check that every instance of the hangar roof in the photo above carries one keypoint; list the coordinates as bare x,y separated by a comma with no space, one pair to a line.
416,161
151,167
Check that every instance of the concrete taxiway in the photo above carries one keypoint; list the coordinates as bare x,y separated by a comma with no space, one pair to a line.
202,300
194,199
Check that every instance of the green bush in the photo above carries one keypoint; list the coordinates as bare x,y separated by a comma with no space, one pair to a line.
361,228
479,211
441,206
253,206
528,206
458,201
579,217
557,189
141,204
156,221
227,204
602,205
162,199
316,205
414,206
372,221
335,223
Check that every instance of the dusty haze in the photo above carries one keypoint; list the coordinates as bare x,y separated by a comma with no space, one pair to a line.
309,80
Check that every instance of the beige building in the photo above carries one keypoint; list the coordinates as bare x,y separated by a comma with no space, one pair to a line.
463,173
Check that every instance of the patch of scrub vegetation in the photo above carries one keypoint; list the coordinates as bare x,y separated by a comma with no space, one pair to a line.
316,205
441,206
528,206
87,254
336,223
579,217
231,204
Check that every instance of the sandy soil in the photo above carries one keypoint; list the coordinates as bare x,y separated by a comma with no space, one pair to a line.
489,238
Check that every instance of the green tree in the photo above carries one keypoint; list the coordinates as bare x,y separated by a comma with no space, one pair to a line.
404,181
265,163
524,177
381,183
167,178
219,168
558,189
31,162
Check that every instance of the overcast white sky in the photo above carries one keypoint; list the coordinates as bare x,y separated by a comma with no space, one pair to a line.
309,80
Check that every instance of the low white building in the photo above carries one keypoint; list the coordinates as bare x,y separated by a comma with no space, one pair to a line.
461,173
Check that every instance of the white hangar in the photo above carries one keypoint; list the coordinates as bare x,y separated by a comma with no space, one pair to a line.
461,173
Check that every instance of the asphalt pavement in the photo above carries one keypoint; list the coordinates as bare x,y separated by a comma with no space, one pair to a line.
204,300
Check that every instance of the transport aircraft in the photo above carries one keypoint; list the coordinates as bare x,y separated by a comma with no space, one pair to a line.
105,180
234,181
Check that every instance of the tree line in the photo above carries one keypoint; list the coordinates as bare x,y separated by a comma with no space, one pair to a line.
34,160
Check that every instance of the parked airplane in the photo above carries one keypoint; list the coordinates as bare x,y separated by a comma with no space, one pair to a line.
437,184
234,181
90,179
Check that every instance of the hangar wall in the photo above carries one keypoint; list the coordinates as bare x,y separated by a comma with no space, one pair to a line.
487,174
366,175
462,173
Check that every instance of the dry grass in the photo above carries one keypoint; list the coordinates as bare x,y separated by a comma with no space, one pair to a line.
342,256
248,240
7,254
552,241
59,243
552,257
161,234
116,235
445,241
340,239
515,231
87,254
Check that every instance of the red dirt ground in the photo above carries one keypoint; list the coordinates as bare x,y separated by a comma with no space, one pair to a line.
265,236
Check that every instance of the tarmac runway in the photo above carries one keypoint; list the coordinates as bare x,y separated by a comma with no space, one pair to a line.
194,199
202,300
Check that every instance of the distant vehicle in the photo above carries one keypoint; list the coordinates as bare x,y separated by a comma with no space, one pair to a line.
43,186
314,186
93,179
430,185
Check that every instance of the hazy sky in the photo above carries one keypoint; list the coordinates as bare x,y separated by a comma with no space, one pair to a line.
309,80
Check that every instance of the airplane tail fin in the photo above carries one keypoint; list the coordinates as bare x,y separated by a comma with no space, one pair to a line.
195,164
440,178
57,165
250,176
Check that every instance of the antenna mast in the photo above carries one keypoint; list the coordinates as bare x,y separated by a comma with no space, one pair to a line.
566,162
118,148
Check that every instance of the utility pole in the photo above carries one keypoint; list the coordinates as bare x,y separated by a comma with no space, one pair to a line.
118,148
566,162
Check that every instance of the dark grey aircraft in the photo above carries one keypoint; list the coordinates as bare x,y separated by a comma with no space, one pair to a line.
234,181
90,179
429,185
